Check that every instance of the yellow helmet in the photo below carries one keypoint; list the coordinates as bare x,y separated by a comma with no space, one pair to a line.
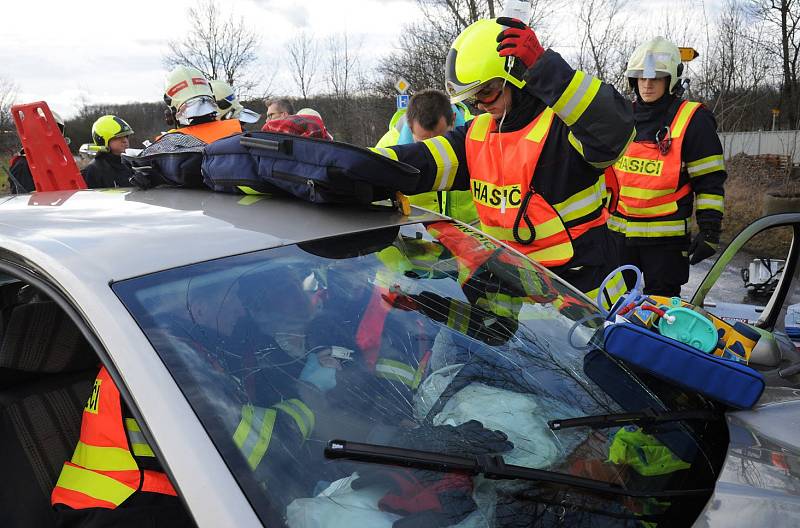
188,94
107,128
473,60
655,59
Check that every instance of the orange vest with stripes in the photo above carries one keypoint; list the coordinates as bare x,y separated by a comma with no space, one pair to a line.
501,167
647,182
103,472
212,131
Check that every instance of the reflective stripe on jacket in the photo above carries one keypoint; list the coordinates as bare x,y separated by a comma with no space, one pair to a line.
103,471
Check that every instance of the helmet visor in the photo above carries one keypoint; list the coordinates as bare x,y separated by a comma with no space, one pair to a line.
248,116
195,107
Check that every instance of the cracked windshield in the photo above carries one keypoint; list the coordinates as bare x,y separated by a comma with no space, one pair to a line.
429,338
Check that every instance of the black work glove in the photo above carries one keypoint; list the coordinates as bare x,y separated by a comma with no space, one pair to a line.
703,246
468,439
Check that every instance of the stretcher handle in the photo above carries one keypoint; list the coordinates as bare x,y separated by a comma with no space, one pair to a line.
282,145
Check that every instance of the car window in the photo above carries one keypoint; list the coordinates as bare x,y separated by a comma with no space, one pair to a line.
426,337
744,287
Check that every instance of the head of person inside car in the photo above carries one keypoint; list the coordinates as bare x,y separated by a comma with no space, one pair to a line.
429,114
279,109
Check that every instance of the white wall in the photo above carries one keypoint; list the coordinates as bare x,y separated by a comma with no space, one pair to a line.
785,142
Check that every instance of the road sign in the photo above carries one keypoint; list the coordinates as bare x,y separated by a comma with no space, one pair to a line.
688,54
402,85
776,111
402,101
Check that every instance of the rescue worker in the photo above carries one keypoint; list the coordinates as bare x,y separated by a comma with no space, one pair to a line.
21,180
229,105
193,106
430,114
675,161
535,160
113,477
110,140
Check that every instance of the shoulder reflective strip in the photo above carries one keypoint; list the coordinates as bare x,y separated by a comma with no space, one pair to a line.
683,118
576,98
711,201
95,485
542,126
643,194
250,199
249,190
254,433
446,162
300,413
458,316
139,444
385,152
480,127
580,204
705,165
395,370
656,210
554,253
103,458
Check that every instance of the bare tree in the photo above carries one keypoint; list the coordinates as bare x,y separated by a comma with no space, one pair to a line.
221,47
604,45
303,61
8,95
784,15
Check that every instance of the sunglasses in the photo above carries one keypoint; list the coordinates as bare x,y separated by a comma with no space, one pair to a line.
487,95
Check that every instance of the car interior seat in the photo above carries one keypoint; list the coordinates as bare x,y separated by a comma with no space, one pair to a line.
40,416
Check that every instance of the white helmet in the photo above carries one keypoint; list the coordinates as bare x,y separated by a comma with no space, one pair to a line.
188,94
229,105
655,59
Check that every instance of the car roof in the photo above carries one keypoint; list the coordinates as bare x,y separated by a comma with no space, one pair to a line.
114,234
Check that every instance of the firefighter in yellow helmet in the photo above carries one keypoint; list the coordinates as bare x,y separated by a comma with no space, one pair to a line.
674,163
193,107
534,160
110,140
229,105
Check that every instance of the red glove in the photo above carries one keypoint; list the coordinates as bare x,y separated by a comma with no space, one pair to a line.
519,40
423,498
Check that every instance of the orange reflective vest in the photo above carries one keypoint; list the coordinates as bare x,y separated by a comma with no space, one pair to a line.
103,472
212,131
647,182
501,168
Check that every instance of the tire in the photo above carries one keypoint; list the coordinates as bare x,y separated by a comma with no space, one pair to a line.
776,203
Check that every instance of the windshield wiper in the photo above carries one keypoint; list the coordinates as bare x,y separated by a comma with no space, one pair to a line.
490,466
646,417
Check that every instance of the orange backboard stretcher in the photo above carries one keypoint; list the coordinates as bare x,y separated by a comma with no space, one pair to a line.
49,158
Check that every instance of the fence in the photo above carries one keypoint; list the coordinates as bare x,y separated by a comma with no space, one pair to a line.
781,143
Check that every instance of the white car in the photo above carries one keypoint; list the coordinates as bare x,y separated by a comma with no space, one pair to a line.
432,367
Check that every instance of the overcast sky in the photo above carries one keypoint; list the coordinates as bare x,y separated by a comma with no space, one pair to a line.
105,52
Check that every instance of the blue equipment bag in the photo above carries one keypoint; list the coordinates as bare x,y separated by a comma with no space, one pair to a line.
725,381
312,169
172,159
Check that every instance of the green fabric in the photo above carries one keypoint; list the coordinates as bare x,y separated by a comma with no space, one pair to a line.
644,453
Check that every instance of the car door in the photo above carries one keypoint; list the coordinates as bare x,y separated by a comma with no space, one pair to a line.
755,280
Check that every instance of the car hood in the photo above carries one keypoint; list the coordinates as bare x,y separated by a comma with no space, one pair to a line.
759,483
